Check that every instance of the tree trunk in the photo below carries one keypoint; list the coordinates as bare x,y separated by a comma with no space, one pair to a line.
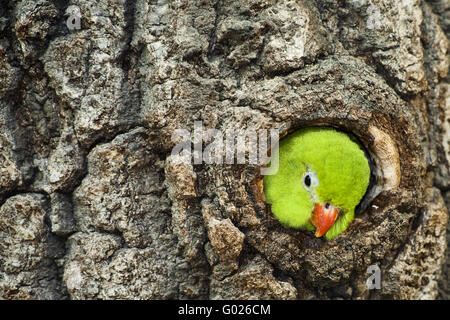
92,205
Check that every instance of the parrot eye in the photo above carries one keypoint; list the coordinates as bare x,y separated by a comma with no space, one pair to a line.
310,180
307,181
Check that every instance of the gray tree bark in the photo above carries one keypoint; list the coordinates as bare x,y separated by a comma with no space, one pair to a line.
92,207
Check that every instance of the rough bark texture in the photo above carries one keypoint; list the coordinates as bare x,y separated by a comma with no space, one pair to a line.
93,207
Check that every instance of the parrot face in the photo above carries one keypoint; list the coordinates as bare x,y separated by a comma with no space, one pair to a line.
323,175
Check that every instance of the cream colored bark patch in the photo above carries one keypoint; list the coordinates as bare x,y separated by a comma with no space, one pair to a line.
388,158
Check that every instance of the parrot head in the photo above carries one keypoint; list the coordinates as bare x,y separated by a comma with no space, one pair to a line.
323,175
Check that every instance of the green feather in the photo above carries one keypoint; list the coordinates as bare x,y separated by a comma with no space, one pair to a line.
340,166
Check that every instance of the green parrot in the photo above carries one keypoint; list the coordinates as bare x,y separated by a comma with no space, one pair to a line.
323,175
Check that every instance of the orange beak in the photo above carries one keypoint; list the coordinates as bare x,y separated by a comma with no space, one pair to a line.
323,218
